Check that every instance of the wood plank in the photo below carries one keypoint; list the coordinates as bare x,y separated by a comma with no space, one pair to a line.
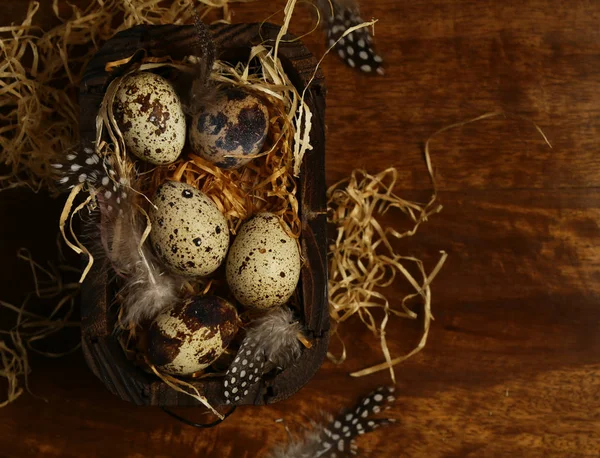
512,365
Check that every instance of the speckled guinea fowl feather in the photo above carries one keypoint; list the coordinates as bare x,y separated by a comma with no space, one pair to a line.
120,232
271,342
335,438
355,49
83,165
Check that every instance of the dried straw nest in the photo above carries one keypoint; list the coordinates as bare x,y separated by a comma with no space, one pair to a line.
268,183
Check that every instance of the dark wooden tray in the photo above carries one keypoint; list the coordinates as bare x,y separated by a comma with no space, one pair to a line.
102,351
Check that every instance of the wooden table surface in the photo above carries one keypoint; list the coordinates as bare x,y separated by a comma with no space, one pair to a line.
512,366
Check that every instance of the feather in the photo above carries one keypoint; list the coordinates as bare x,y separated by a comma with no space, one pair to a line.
83,165
271,342
121,232
147,288
336,437
355,49
202,90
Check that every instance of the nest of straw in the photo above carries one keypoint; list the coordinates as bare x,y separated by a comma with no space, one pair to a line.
267,184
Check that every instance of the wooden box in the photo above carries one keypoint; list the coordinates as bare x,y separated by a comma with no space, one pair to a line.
102,351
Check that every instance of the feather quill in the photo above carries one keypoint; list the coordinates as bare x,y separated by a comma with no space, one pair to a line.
336,437
271,342
202,90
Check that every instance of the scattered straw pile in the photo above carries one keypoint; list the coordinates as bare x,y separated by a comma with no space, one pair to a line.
14,366
363,261
30,329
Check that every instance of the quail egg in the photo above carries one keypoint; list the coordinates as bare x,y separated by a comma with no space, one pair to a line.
190,336
150,117
189,233
263,265
232,131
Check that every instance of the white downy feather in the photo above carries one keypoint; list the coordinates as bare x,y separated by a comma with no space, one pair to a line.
147,288
277,333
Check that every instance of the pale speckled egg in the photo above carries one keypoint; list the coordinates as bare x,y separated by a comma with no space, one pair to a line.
190,336
263,264
189,233
150,117
232,131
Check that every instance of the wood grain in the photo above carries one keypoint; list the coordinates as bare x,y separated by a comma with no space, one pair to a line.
512,367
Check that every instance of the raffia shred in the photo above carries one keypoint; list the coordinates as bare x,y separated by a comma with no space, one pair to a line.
186,388
363,261
30,329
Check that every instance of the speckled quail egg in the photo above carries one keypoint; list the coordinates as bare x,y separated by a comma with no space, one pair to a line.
190,336
232,131
263,264
150,117
189,233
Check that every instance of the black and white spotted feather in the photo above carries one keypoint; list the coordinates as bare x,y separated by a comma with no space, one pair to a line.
355,49
336,437
272,342
147,288
83,165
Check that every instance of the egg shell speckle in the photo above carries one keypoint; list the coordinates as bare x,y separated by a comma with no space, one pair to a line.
190,336
263,265
149,114
189,233
232,131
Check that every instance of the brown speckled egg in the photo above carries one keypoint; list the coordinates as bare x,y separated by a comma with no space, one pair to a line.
150,117
191,335
232,131
189,233
263,265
